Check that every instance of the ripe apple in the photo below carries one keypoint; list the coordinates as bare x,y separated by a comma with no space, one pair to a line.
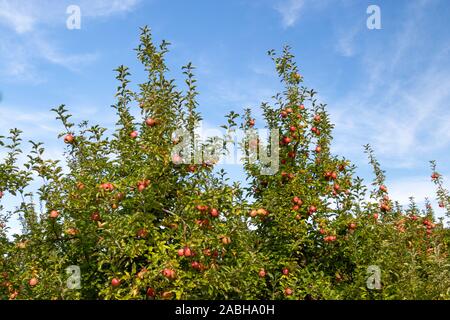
72,231
207,252
441,205
80,186
253,213
134,134
195,265
312,209
322,231
142,233
292,129
291,154
115,282
33,281
180,252
214,212
286,140
302,107
318,149
151,292
295,207
352,226
375,216
314,129
141,187
69,138
1,194
283,114
166,295
289,110
288,291
54,214
150,122
383,188
297,217
226,240
95,216
435,175
251,122
317,117
336,187
285,271
333,175
168,273
262,211
262,273
107,186
187,252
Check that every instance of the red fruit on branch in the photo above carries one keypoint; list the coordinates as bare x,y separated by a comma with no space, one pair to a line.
107,186
150,122
1,194
288,291
251,122
286,140
352,226
383,188
54,214
134,134
195,265
292,129
95,216
187,252
180,252
317,118
262,273
214,212
318,149
289,110
435,176
69,138
142,233
115,282
312,209
285,271
151,292
333,175
33,281
291,154
283,114
168,273
226,240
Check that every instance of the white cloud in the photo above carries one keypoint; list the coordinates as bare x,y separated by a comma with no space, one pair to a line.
290,11
345,45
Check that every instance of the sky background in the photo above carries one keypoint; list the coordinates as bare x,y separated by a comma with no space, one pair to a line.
387,87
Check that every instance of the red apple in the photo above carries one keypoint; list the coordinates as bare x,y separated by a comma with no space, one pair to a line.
352,226
333,175
317,117
291,154
95,216
214,212
54,214
251,122
69,138
292,129
289,110
318,149
33,281
142,233
180,252
150,122
195,265
288,291
187,252
286,140
226,240
1,194
151,292
285,271
262,273
134,134
115,282
283,114
312,209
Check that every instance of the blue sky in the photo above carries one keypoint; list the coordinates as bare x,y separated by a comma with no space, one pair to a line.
387,87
